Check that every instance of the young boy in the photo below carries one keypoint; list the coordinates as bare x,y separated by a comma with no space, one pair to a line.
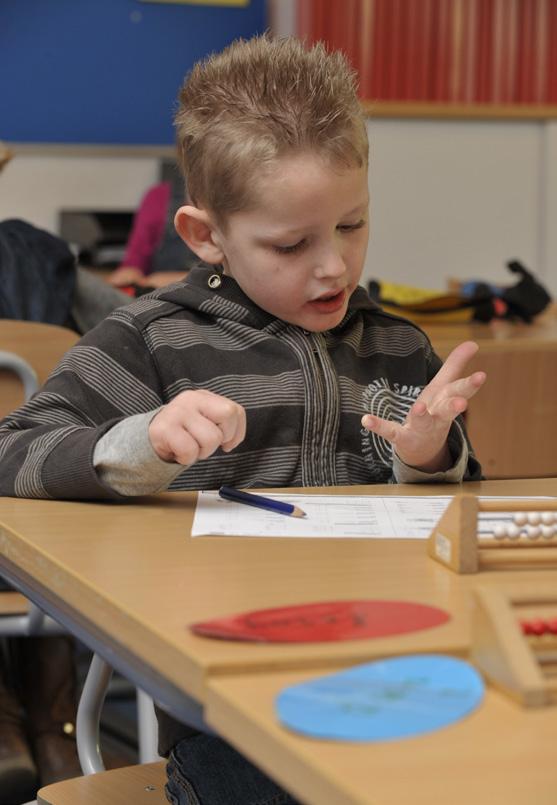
272,369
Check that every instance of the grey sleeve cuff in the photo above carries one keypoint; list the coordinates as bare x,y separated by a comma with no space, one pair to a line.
126,462
404,474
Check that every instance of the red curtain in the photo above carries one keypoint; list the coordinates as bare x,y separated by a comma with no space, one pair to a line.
461,51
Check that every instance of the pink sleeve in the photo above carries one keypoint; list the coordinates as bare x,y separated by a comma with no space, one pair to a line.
148,227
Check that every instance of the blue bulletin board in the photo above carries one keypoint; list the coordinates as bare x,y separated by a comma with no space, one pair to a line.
105,71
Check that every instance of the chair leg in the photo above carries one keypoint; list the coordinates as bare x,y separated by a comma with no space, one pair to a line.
147,729
89,713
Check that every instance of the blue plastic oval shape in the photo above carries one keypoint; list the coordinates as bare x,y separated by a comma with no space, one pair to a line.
383,700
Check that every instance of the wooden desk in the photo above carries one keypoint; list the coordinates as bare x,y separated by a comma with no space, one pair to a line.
499,755
128,580
499,334
512,422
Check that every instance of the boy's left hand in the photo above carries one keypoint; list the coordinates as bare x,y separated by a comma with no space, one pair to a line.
421,441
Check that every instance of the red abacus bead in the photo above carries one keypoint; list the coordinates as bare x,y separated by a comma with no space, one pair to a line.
526,627
552,625
539,626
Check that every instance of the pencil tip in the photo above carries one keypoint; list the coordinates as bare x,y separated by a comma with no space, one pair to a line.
296,512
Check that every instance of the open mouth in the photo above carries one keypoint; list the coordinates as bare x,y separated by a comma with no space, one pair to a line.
329,303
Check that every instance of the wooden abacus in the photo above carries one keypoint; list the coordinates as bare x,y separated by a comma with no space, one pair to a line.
514,641
529,538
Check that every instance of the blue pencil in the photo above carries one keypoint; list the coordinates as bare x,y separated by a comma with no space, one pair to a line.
228,493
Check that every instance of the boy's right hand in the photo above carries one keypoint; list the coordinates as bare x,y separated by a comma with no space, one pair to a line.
195,424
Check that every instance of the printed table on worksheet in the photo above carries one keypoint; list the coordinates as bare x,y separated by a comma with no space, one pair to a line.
334,516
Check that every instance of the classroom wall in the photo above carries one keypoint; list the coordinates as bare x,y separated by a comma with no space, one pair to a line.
38,186
548,204
449,198
461,198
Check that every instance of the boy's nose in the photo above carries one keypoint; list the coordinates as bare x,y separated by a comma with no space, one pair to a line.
331,264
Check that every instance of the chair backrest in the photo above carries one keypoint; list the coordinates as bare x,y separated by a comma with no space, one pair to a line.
39,345
29,351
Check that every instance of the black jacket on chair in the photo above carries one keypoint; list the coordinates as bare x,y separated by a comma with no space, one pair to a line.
37,274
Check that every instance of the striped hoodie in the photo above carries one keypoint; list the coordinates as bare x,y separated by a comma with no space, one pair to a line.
304,393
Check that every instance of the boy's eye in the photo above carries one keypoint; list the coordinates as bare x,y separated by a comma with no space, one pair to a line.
301,244
351,227
295,247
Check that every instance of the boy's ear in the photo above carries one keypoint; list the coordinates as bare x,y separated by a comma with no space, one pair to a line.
196,228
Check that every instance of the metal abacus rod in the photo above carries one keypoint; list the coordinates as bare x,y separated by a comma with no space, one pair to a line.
520,664
455,541
530,555
518,505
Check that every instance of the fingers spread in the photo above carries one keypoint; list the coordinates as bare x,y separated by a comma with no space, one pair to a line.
455,365
421,440
382,427
464,388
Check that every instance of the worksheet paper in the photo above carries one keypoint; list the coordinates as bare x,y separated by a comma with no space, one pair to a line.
357,516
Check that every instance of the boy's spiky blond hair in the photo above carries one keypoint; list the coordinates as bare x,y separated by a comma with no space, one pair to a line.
258,100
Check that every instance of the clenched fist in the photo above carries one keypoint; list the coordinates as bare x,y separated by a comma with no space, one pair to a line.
195,424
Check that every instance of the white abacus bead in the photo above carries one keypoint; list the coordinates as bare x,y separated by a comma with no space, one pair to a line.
533,531
548,518
534,518
513,531
520,518
548,531
500,531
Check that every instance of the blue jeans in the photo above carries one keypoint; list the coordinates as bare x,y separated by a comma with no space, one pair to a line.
205,770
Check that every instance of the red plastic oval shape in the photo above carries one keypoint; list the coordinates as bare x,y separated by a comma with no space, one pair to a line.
324,622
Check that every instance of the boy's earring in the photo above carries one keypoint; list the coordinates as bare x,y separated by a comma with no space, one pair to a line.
196,230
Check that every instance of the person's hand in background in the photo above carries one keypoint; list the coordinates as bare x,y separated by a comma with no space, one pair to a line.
161,278
125,275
